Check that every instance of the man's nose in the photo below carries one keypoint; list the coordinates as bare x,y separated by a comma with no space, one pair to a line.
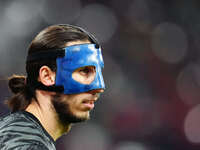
96,91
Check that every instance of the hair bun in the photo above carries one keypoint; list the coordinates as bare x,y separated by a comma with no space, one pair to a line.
17,83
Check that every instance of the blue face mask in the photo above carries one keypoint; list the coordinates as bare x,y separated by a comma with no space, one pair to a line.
68,60
77,56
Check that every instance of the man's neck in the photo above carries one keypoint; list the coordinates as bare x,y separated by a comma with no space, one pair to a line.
46,114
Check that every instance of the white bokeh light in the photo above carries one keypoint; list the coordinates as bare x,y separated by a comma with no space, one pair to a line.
18,20
60,11
89,137
139,15
169,42
20,16
192,125
119,87
131,146
100,20
187,85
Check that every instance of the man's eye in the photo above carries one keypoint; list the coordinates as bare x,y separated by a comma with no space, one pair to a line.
85,70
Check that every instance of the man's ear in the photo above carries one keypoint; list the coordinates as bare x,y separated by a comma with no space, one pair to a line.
46,76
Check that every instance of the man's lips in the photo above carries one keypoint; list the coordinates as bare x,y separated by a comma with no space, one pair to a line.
89,103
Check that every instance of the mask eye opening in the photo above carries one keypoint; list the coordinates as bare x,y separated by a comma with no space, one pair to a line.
84,75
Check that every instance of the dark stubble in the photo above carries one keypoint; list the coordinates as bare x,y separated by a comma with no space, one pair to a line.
64,114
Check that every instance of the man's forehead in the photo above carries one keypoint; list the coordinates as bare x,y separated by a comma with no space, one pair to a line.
77,42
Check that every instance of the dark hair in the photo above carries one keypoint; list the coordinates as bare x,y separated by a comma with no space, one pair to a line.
52,37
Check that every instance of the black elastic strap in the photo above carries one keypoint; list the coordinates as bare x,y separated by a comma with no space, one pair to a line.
53,88
47,54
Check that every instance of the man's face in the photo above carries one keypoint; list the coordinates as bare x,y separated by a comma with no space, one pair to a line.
76,107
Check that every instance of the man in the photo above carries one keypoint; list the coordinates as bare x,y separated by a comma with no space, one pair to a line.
64,80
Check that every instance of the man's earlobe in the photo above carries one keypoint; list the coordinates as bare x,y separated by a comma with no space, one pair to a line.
46,76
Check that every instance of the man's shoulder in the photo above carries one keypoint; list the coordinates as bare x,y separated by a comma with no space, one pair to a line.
29,147
20,130
18,122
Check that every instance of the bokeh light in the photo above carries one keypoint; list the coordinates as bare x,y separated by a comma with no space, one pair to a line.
118,87
100,20
20,15
131,146
89,137
192,124
151,52
187,85
20,19
60,11
139,15
169,42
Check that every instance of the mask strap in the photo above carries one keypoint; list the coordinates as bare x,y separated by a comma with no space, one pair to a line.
52,88
42,55
50,54
38,85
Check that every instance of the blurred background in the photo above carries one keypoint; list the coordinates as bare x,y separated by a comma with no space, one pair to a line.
151,52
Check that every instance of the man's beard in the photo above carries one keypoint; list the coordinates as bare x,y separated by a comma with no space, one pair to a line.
64,114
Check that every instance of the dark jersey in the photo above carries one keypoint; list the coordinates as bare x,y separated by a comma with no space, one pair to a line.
23,131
